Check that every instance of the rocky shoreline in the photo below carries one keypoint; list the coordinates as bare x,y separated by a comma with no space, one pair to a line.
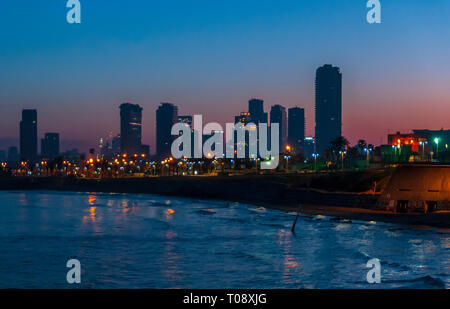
439,220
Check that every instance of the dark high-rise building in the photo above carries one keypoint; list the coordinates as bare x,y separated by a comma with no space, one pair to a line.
243,118
256,110
309,147
296,128
72,154
185,119
278,115
50,145
2,156
166,117
115,145
13,155
328,106
145,150
130,128
28,135
257,115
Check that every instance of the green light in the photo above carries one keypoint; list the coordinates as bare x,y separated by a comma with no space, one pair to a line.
436,140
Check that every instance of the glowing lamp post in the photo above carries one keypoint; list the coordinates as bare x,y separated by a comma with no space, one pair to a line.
367,156
288,151
436,140
342,153
423,146
315,155
368,151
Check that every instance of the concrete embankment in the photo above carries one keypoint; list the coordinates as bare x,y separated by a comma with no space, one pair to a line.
274,191
268,190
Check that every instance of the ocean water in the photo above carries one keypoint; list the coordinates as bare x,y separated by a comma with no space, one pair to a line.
147,241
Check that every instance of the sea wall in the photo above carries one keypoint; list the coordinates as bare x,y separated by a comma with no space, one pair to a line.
263,190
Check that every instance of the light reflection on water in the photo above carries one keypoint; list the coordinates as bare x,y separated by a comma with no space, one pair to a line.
146,241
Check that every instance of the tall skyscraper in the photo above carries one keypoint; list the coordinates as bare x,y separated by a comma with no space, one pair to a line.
256,110
328,106
278,115
296,128
257,115
166,117
187,119
50,145
309,147
243,118
115,145
130,128
13,155
2,156
28,135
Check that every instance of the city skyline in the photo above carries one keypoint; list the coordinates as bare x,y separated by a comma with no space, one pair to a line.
134,122
212,60
129,140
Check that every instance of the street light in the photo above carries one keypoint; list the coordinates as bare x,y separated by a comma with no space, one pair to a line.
436,140
423,148
342,153
367,155
287,163
315,155
288,151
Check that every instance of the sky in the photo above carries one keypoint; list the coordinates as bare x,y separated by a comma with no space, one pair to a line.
211,57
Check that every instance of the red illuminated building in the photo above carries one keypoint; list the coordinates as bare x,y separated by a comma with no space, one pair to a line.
413,139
